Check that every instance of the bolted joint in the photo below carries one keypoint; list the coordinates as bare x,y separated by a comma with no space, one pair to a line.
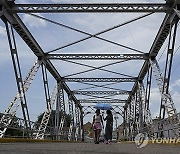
153,58
70,96
171,3
163,106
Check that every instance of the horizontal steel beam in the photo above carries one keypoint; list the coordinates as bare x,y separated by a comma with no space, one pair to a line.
124,92
99,79
78,8
98,56
102,101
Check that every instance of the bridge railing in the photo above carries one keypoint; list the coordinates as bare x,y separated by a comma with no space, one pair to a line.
160,128
19,124
169,127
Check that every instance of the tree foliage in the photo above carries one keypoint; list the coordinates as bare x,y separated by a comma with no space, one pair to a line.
51,122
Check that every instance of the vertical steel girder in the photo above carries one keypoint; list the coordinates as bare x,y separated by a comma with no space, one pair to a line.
138,114
128,121
78,123
15,103
71,113
167,101
148,88
44,122
18,75
141,112
49,102
147,119
81,125
46,86
125,122
137,119
60,116
131,117
168,67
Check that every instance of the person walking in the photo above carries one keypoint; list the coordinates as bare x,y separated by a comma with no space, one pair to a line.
109,127
97,125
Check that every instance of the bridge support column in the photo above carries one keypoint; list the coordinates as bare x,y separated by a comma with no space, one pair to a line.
78,123
18,75
71,113
131,118
125,123
82,124
60,115
49,102
47,114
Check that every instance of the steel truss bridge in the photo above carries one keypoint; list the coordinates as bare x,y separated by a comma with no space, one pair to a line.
134,109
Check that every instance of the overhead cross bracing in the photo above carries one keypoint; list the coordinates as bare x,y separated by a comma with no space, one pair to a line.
131,65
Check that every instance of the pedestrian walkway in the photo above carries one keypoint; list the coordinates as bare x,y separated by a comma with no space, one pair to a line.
85,148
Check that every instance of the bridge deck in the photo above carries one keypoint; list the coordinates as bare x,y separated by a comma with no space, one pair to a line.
86,148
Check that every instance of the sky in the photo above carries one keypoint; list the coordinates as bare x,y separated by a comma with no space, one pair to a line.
138,35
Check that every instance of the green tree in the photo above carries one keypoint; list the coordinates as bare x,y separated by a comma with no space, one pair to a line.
51,122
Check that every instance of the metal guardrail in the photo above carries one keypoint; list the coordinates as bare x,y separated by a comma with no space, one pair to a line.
19,124
168,128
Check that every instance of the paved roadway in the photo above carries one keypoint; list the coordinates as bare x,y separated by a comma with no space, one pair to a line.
85,148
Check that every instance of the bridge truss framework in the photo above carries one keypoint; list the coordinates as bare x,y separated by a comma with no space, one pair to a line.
134,110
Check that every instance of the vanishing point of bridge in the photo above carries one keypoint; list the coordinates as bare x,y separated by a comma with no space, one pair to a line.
134,108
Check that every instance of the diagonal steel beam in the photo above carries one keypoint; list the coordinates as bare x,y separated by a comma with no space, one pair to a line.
98,56
92,35
97,68
95,8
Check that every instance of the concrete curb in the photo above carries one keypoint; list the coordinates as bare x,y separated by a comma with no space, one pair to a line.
150,142
8,140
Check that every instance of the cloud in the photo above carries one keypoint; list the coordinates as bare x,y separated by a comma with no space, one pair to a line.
155,102
2,31
34,22
176,83
156,97
176,97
